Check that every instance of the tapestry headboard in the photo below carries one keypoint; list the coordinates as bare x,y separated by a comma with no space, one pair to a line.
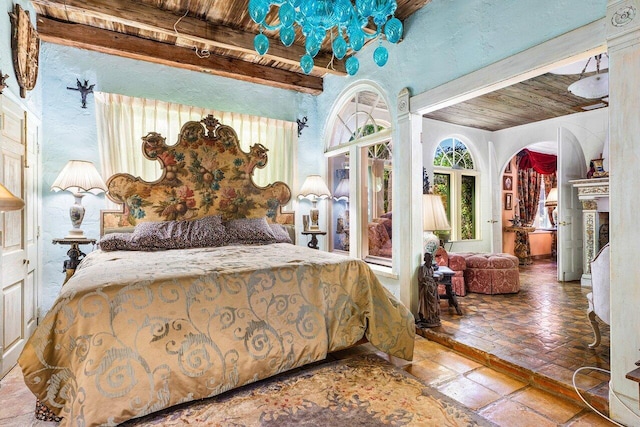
205,173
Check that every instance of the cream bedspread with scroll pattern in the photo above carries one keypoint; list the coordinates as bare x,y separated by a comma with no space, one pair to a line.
135,332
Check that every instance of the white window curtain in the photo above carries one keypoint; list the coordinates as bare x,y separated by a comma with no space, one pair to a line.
123,121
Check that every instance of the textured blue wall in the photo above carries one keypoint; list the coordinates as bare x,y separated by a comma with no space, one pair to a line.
443,41
69,131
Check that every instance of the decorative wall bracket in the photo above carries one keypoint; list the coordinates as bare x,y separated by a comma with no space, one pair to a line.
84,89
301,124
3,79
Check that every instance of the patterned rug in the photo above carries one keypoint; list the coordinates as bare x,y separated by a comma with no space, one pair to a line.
360,391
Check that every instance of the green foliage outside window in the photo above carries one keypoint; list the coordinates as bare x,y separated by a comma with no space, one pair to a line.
468,230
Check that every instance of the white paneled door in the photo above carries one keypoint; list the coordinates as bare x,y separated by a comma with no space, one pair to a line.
19,252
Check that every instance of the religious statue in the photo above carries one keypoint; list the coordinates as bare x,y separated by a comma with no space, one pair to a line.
428,298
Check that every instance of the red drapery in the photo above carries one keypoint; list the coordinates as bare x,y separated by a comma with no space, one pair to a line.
542,163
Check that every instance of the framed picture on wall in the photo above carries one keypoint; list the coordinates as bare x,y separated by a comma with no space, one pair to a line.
508,201
507,183
507,168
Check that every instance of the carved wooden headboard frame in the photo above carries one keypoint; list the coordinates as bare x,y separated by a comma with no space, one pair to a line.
205,173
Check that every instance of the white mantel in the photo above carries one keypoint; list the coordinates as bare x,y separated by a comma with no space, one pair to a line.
593,193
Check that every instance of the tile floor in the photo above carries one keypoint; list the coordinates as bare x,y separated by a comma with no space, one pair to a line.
498,397
510,358
539,335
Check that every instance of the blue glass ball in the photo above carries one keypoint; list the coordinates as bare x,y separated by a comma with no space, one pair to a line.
308,7
306,63
342,11
352,65
356,38
261,43
339,47
287,14
258,10
393,30
287,35
365,7
312,46
380,56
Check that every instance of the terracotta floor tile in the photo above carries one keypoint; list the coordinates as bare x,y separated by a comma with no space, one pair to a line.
507,413
469,393
430,372
496,381
552,407
455,362
589,419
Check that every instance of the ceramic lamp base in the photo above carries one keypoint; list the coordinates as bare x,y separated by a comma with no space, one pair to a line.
430,242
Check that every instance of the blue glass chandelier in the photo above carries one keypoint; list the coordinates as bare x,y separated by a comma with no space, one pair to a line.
341,20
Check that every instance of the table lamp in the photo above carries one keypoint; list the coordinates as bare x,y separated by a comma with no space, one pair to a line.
434,218
9,202
78,177
552,200
314,188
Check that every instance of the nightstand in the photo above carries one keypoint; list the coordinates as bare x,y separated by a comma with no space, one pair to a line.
74,253
313,244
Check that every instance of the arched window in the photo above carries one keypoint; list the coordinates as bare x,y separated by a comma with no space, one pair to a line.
455,179
360,153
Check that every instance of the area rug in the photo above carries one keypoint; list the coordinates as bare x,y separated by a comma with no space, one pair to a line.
360,391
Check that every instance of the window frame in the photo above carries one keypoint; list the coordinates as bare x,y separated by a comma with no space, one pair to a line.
456,174
356,149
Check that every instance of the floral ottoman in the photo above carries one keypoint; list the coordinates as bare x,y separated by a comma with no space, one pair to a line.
492,273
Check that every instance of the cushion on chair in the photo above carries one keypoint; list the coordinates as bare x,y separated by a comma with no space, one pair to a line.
456,263
599,297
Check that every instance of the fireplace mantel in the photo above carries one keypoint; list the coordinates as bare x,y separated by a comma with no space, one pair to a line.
593,193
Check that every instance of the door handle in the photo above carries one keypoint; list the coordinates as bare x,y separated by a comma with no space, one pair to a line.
492,221
564,223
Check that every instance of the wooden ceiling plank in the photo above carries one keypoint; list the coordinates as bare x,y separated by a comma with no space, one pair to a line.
91,38
149,18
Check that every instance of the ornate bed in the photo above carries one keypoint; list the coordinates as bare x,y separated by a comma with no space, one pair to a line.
197,289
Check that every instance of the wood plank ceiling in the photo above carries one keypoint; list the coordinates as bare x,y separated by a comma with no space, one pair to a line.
216,37
210,36
540,98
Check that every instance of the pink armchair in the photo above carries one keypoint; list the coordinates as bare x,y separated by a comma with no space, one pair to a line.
456,263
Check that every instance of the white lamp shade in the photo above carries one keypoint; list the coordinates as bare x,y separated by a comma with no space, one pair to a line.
552,198
342,190
79,176
596,86
434,216
9,202
314,187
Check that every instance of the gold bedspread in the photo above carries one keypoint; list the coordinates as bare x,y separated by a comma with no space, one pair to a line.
134,332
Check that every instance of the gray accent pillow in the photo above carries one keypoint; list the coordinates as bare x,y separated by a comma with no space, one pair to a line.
249,231
204,232
117,242
281,233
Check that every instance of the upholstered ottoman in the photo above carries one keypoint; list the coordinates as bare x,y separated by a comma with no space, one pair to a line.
492,273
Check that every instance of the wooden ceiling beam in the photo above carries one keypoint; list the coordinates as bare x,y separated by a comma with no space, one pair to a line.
113,43
149,18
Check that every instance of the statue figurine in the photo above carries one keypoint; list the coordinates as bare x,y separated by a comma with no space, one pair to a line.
428,298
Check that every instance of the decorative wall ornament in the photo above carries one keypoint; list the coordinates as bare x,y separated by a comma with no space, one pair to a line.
25,46
84,89
302,124
623,16
3,78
